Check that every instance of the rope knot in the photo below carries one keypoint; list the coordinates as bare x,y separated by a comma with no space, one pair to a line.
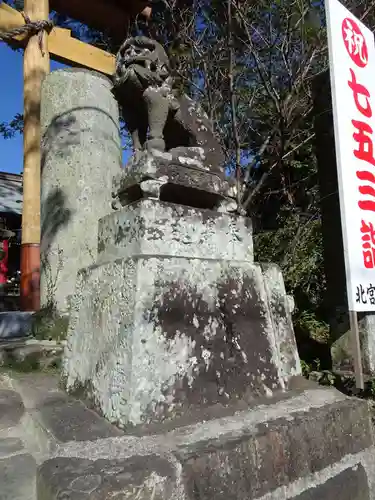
30,28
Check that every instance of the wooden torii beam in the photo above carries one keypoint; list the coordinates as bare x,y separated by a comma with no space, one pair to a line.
61,46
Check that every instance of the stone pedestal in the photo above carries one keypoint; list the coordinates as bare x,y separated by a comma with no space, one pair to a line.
81,153
175,316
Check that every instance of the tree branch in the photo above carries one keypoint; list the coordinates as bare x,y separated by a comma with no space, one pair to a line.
265,175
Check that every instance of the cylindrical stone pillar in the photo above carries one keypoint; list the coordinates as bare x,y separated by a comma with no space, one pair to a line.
81,152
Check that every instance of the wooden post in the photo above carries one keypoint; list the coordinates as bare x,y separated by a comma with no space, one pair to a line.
356,347
35,68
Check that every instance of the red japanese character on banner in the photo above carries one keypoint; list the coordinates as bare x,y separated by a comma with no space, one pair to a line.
364,175
360,90
363,137
355,42
368,244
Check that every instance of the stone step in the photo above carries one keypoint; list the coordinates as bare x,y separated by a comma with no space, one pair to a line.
312,444
18,477
316,445
15,324
51,417
35,419
30,354
17,465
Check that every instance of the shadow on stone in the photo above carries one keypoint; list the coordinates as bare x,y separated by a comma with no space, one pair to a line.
55,215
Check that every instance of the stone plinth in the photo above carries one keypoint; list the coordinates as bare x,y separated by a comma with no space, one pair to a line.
80,155
153,227
173,179
175,316
155,336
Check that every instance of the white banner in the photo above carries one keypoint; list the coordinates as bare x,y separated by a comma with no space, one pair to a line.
352,68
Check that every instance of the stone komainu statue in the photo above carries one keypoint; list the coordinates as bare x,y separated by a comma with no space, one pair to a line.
158,118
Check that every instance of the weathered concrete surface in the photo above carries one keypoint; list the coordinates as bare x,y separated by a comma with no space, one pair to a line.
279,453
81,153
10,446
70,420
311,445
66,419
151,227
17,465
153,338
11,408
33,388
17,478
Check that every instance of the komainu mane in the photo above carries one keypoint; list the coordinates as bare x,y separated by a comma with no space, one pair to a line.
158,118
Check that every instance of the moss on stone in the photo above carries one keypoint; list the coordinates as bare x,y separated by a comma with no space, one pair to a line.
48,324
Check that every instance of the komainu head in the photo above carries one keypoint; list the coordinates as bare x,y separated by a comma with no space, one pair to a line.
140,63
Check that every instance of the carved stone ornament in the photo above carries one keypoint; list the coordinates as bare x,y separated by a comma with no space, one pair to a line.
157,117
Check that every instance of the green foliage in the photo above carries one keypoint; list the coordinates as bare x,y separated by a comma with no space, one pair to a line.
306,368
30,364
316,329
13,127
50,325
296,245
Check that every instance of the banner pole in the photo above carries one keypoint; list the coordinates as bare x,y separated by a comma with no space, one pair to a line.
356,346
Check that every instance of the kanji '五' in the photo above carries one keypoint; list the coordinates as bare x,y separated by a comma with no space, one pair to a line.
363,137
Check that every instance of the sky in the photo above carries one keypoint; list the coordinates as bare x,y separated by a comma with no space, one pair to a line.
11,91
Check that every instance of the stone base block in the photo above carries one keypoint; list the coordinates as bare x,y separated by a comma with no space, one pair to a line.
313,445
15,324
323,451
159,175
154,338
152,227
